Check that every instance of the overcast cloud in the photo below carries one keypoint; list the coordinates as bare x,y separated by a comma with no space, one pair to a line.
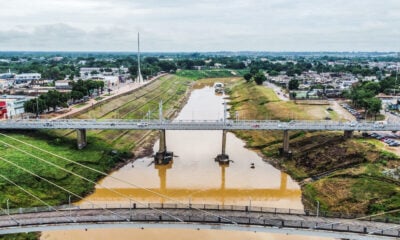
200,25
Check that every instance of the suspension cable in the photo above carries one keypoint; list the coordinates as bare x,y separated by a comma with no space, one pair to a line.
88,180
34,196
118,179
58,186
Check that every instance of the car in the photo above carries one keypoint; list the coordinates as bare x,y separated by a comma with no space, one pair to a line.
142,124
374,135
353,124
395,144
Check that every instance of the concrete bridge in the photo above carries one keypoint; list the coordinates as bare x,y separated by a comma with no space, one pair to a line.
163,156
198,217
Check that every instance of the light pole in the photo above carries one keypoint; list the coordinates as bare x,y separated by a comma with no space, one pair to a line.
8,206
69,205
397,73
37,103
249,203
317,208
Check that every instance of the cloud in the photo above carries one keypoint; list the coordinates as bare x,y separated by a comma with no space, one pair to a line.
202,25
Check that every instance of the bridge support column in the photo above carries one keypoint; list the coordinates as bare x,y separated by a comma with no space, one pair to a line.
285,141
163,157
81,138
348,134
223,157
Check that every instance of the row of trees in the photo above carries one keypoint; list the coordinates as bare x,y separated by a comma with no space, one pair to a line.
301,66
85,88
53,99
255,75
47,101
363,95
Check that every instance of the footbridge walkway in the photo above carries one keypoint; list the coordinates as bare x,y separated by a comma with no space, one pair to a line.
162,156
194,216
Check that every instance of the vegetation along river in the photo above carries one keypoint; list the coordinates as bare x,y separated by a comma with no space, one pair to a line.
194,176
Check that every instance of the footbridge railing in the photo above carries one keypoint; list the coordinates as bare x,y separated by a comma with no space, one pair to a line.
247,218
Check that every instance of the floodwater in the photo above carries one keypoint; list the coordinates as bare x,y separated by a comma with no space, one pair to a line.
194,177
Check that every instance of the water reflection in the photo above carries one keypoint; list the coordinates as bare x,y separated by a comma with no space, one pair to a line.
195,177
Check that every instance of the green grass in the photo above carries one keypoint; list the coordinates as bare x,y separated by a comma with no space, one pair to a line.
217,73
98,153
354,182
170,89
80,105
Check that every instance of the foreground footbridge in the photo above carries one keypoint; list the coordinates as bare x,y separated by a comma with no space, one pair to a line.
82,125
198,217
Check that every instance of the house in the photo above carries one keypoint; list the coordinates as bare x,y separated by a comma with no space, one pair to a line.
25,79
14,105
63,84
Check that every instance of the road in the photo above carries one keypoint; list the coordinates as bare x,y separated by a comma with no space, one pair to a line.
278,91
117,91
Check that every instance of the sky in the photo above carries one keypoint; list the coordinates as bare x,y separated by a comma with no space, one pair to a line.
200,25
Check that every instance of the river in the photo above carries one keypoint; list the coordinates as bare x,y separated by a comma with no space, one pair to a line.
195,177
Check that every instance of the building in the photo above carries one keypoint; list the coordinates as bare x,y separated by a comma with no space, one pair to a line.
3,109
94,72
26,78
63,84
14,105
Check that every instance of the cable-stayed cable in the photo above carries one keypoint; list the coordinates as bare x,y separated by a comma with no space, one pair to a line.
88,180
112,177
34,196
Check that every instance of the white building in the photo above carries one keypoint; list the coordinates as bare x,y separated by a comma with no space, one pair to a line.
26,78
14,104
95,72
63,84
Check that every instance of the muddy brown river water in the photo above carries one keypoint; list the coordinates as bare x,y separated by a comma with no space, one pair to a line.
195,177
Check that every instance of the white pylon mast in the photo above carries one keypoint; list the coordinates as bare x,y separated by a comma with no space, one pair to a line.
139,78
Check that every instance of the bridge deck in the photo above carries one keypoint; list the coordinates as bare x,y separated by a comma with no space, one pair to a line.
196,125
67,218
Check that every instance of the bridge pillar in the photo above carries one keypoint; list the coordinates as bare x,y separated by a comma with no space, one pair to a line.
223,157
163,157
348,134
285,141
81,138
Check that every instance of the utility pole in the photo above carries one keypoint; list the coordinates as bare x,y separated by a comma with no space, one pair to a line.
397,73
37,103
225,112
160,111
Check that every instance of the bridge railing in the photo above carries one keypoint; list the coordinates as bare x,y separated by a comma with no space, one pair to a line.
124,214
209,207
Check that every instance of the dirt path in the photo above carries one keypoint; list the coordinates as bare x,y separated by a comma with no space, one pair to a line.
341,111
278,91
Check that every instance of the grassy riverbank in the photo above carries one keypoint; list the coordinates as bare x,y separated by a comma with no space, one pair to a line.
343,175
106,150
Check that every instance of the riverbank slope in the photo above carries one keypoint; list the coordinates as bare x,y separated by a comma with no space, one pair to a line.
343,175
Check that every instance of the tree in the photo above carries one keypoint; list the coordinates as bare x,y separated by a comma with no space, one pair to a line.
374,105
259,78
294,84
373,87
248,77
